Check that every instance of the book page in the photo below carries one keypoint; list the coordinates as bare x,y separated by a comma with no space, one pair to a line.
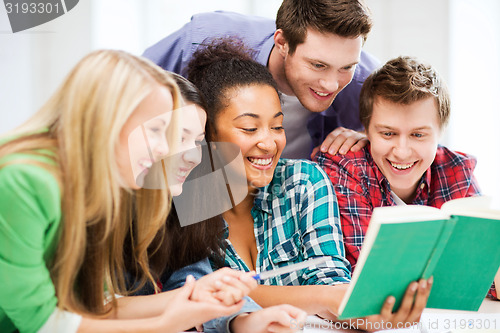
480,206
408,213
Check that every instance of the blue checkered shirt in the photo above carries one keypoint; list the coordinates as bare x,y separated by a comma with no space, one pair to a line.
296,218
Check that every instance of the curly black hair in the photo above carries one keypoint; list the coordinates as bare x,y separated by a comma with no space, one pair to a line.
220,65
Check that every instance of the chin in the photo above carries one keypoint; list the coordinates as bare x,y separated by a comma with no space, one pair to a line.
174,187
175,190
137,183
260,182
314,107
134,187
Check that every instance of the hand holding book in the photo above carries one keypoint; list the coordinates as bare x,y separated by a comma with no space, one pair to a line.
388,315
457,245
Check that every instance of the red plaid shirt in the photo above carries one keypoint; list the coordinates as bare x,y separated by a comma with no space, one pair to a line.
360,187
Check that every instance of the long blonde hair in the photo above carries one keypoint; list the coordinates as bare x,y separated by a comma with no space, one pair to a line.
81,123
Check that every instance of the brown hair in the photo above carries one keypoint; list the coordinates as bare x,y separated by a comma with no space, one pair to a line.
404,80
346,18
178,246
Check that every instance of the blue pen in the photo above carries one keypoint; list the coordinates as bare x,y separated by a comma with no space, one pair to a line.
289,268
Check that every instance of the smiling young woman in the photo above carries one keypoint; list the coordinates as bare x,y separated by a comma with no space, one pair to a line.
290,213
192,244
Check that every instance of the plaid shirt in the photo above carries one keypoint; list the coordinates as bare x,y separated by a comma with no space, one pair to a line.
360,187
296,218
493,292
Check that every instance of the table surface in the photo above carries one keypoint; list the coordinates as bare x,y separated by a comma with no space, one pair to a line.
486,319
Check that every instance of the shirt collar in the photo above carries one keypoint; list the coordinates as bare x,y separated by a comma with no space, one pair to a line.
265,50
263,200
423,187
264,197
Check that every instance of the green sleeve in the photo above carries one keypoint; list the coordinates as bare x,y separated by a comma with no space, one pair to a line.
30,216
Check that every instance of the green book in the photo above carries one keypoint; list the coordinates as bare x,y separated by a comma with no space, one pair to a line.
459,245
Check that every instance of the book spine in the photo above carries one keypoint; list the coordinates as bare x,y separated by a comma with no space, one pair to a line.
442,240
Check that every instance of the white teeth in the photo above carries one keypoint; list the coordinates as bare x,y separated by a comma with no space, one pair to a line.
321,94
402,166
260,161
146,164
181,173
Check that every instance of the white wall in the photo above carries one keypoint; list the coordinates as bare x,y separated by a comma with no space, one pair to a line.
475,87
136,24
34,62
413,28
407,27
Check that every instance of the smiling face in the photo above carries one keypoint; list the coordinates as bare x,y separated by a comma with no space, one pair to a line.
320,67
403,141
143,137
192,124
254,122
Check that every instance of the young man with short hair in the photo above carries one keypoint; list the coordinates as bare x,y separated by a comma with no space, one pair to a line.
313,52
404,107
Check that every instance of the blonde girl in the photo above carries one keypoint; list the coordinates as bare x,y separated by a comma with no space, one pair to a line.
69,188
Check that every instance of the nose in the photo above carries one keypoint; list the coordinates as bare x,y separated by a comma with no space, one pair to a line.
161,149
330,83
267,143
402,149
192,155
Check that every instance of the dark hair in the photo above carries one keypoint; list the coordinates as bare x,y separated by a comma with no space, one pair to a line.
404,80
182,246
221,65
177,246
346,18
188,90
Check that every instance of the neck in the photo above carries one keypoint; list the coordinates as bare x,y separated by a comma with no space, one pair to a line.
242,209
406,195
276,66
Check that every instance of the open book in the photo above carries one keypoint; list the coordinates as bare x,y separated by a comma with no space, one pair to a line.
459,245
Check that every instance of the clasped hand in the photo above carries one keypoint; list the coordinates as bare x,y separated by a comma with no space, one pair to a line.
224,286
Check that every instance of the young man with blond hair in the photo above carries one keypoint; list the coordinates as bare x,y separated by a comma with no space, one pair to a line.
404,107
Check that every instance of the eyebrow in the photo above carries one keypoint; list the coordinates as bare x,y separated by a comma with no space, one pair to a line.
422,128
352,63
327,64
158,119
256,116
190,132
379,127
